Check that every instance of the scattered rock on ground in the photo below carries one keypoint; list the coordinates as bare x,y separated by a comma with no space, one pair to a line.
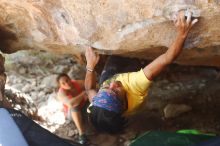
49,81
174,110
193,86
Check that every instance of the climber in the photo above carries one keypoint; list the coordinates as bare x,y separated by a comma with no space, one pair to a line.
122,94
71,93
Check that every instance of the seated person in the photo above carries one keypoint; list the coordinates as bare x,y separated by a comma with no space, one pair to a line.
71,93
122,95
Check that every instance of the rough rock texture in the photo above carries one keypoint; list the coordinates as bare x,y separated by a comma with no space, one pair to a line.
133,28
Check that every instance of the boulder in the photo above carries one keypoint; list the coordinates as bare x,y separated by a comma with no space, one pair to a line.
134,28
49,82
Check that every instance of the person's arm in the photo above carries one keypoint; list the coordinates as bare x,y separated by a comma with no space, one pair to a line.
5,104
75,101
92,59
183,26
1,100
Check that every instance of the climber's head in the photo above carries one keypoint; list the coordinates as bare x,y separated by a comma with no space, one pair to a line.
64,81
108,106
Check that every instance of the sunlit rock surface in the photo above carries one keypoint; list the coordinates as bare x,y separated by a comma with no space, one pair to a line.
136,28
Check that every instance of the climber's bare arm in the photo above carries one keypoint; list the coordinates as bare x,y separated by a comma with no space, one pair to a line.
183,26
92,59
90,84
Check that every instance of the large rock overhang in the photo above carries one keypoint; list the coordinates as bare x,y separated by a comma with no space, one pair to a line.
135,28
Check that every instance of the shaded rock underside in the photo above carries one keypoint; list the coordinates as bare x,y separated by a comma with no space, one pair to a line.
135,28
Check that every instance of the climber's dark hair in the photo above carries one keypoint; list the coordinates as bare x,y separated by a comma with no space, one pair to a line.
60,76
107,121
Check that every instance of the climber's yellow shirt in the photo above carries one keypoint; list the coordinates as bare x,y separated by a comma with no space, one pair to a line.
136,86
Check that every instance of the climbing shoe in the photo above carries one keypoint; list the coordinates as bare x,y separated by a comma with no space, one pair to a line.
83,139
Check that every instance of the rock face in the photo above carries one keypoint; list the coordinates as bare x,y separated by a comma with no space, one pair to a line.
135,28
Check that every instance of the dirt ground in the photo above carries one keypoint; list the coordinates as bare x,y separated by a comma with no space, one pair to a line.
197,87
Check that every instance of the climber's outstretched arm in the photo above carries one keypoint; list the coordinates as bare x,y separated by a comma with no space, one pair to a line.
92,59
183,26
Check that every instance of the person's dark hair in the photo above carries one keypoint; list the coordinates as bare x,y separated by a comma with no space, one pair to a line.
60,76
107,121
